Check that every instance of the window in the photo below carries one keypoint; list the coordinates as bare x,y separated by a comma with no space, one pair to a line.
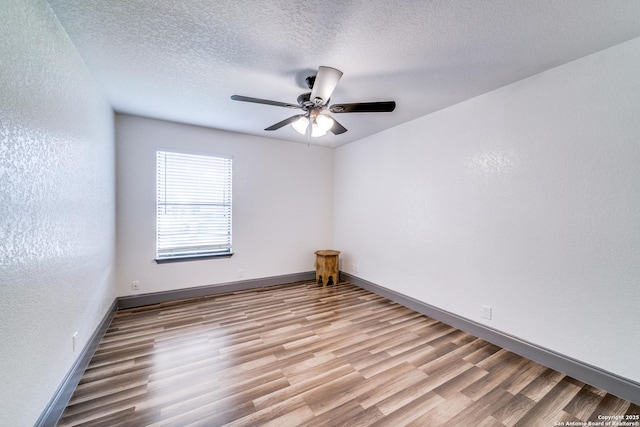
193,206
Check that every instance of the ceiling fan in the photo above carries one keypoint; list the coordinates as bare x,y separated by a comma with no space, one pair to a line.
315,120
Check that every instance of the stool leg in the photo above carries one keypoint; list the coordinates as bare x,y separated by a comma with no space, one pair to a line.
330,281
319,280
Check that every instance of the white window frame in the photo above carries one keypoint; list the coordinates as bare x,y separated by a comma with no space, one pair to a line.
193,205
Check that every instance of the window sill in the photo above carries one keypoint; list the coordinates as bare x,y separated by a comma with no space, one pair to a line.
192,258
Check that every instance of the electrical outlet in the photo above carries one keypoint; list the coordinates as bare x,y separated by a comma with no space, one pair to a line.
486,312
73,341
135,285
240,273
354,268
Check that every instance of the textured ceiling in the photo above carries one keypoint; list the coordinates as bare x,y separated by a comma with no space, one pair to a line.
181,60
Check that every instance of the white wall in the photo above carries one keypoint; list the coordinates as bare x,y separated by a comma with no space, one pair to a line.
526,199
282,205
57,208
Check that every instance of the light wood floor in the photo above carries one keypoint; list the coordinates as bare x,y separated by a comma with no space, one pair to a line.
299,354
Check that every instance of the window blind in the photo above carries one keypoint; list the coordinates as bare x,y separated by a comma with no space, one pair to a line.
193,205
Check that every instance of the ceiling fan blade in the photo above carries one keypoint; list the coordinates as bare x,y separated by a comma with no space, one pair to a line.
337,128
285,122
326,81
262,101
364,107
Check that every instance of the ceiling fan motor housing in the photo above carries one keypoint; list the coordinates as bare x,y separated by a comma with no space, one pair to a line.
304,100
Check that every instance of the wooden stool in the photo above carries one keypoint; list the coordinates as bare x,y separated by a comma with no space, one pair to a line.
327,267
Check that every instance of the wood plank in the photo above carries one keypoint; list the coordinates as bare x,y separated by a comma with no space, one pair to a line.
299,354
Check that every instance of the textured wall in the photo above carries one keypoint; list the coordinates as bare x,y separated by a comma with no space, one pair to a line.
57,213
526,199
282,205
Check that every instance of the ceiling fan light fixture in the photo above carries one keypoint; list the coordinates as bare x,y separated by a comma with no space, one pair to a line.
300,125
317,131
324,122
